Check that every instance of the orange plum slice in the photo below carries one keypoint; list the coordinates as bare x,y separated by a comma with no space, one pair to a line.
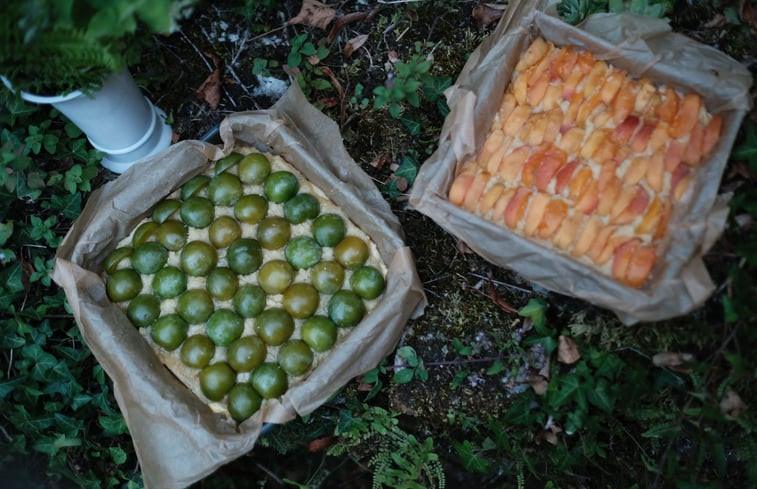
686,117
554,214
460,187
517,206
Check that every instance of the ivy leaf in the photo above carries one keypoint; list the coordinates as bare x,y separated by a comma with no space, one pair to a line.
70,204
663,430
12,277
10,385
472,462
536,310
747,150
114,425
565,389
413,124
408,170
6,230
600,397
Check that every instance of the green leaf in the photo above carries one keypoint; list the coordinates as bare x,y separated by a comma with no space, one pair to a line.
6,231
747,150
472,461
408,169
536,310
414,99
308,49
460,348
9,386
408,354
600,397
403,376
458,379
12,278
421,374
294,59
69,204
321,84
41,360
565,389
114,425
118,455
496,368
394,109
259,66
412,123
730,313
663,430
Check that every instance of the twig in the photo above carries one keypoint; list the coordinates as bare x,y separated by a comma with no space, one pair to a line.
10,365
199,53
276,478
7,436
449,362
269,32
503,284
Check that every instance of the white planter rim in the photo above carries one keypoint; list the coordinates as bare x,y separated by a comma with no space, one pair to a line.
42,99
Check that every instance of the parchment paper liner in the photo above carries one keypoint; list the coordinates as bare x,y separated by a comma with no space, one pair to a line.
644,47
177,438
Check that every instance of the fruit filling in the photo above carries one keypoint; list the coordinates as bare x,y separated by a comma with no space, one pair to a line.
587,161
244,279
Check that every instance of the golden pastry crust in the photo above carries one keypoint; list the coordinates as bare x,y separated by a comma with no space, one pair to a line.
587,161
171,359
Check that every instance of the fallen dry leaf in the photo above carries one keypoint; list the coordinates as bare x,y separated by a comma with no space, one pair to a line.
210,90
567,351
732,404
379,161
392,56
334,82
329,102
354,44
364,387
673,361
538,383
315,14
748,13
342,21
549,434
718,20
496,299
487,14
544,371
463,248
401,183
320,444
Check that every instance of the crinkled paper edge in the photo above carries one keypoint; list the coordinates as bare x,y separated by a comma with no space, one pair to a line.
642,46
178,439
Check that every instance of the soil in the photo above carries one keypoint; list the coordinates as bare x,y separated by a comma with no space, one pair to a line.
469,299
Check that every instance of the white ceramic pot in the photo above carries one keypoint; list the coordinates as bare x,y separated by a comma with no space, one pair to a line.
117,119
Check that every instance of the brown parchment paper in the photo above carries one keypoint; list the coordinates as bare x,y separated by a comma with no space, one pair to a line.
177,438
644,47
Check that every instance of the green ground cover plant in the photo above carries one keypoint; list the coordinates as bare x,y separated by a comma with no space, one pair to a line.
499,384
